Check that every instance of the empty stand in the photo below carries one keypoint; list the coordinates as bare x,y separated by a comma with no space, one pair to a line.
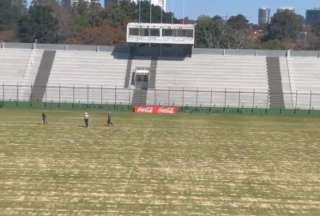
202,73
18,67
14,64
305,76
204,79
87,70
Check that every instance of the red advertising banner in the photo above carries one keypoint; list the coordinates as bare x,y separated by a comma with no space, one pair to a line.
155,109
145,109
167,110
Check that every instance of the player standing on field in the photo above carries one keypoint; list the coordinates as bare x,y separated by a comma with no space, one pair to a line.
109,121
44,118
86,119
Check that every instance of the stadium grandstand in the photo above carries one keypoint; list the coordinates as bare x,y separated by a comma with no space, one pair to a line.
156,126
159,65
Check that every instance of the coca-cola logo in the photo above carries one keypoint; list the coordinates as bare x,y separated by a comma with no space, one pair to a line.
144,109
167,110
155,109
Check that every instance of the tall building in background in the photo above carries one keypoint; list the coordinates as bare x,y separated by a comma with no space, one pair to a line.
313,16
264,16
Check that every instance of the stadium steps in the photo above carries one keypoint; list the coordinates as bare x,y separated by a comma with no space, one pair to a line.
128,70
275,83
40,83
288,88
153,73
128,73
139,97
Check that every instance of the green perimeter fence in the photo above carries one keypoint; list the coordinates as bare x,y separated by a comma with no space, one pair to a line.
191,100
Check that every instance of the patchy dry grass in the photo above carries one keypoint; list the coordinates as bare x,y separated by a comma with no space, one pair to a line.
158,165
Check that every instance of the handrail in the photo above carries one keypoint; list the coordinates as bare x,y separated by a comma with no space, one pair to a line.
195,51
290,83
30,62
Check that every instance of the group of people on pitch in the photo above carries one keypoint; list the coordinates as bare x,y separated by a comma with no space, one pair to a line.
85,119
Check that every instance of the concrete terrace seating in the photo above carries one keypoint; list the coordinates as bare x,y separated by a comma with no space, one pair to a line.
83,76
305,75
89,72
13,65
18,67
204,72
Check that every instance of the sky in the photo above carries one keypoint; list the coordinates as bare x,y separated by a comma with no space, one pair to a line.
249,8
226,8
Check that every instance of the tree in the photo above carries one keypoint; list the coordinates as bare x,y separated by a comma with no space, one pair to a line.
158,15
40,24
62,14
209,32
8,35
85,15
216,33
116,16
273,44
313,37
285,25
102,35
238,22
93,25
10,13
237,32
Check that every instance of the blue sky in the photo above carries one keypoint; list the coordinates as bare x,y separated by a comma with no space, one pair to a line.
249,8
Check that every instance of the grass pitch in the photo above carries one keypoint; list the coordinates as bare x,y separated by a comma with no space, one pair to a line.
189,164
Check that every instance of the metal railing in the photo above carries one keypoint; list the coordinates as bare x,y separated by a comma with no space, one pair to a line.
124,48
227,98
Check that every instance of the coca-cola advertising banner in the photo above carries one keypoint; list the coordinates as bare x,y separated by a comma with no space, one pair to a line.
155,109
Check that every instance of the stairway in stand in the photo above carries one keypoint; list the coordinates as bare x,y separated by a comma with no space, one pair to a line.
41,81
139,97
275,83
153,73
129,68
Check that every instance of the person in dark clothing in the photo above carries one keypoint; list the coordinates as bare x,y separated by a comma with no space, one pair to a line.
109,120
44,118
86,119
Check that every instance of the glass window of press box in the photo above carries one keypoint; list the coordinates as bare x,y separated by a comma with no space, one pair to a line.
177,32
144,32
